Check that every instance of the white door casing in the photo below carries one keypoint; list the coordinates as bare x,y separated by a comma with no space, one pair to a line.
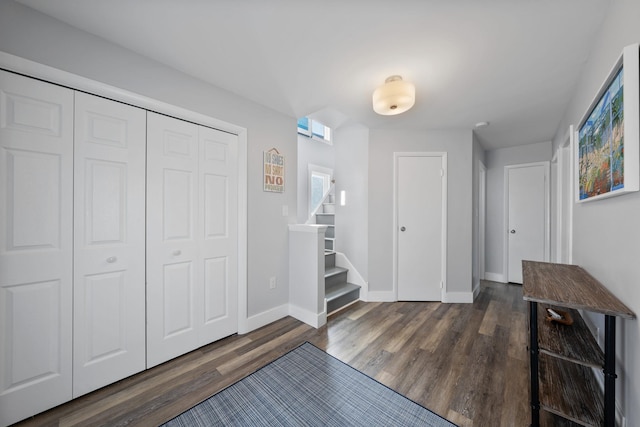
36,214
109,249
526,216
192,231
565,200
482,220
420,226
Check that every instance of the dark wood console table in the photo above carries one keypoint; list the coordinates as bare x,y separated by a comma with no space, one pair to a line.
561,356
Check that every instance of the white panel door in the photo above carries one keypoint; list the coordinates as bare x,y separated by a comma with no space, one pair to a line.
419,195
174,277
527,192
218,230
109,242
36,203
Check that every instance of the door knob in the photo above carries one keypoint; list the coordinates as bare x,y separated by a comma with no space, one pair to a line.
513,232
111,259
176,253
402,228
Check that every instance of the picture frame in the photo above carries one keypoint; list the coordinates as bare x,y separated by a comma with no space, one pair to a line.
273,171
607,138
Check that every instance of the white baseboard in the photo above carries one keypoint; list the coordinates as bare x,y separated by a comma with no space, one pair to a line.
262,319
308,317
476,290
381,296
494,277
458,297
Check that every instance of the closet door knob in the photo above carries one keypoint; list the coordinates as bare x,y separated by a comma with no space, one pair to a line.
176,253
111,259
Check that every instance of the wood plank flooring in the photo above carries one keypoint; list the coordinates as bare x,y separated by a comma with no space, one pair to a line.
466,362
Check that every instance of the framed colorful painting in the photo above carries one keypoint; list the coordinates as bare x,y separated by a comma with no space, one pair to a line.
608,135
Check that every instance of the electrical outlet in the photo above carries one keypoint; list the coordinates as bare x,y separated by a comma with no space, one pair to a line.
272,282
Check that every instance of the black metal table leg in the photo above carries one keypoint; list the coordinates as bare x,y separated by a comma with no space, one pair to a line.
533,363
609,370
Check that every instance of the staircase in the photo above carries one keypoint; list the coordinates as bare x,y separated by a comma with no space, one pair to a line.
337,291
326,215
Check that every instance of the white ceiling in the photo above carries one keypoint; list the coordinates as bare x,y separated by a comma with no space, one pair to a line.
513,63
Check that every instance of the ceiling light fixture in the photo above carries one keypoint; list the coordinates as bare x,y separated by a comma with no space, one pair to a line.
395,96
481,125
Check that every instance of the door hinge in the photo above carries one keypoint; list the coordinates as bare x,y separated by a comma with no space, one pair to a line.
441,285
441,172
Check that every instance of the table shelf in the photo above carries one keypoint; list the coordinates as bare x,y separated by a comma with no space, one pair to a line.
571,391
574,343
562,357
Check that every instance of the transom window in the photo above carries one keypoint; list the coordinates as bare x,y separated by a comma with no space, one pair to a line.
314,130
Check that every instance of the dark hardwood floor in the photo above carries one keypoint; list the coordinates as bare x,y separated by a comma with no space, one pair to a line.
466,362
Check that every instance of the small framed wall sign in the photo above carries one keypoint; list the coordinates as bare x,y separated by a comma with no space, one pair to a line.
608,135
273,171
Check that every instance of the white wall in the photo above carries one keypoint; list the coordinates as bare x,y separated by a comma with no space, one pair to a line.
317,153
352,176
458,145
37,37
606,233
496,160
478,156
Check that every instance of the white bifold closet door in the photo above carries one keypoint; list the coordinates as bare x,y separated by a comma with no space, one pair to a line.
36,204
192,237
109,242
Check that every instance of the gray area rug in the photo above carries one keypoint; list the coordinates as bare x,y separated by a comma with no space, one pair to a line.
308,387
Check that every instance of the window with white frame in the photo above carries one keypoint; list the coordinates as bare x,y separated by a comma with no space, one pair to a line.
319,185
314,130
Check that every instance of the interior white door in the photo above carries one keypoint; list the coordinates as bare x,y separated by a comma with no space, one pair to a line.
419,195
527,216
109,250
173,278
218,233
36,214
